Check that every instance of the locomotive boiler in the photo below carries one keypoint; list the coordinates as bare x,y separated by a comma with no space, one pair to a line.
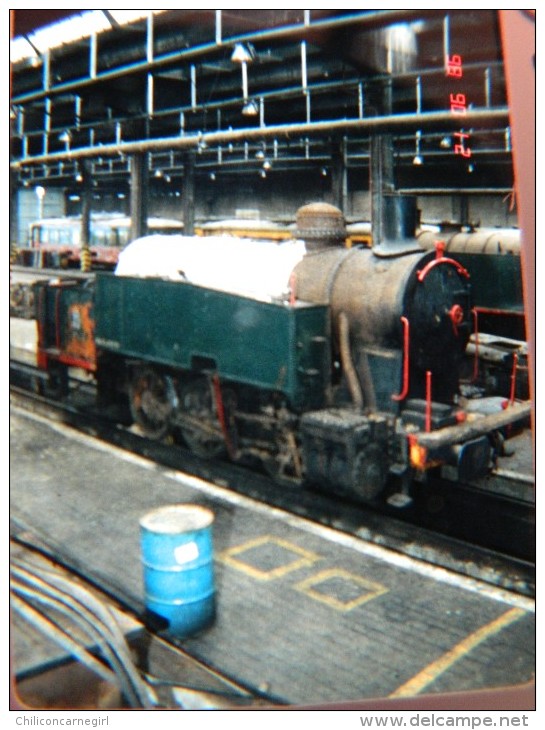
326,365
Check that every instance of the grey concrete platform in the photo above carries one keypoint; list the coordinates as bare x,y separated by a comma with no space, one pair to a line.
305,613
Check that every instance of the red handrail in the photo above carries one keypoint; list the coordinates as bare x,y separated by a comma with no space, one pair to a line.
428,401
440,258
220,410
476,358
512,391
405,388
421,275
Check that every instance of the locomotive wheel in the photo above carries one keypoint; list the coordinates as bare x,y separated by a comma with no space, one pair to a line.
201,430
370,473
153,401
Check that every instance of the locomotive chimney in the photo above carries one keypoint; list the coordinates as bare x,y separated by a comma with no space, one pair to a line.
320,226
398,225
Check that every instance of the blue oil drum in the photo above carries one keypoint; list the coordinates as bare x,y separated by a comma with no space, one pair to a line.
177,557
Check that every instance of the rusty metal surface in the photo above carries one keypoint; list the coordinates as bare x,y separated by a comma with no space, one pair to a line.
368,289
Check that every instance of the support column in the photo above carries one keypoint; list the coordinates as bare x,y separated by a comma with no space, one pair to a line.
13,215
139,195
464,210
86,202
339,184
188,194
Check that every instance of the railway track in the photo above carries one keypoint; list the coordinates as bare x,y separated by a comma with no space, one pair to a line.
473,532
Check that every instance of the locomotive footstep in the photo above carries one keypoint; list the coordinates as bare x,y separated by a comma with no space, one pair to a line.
399,500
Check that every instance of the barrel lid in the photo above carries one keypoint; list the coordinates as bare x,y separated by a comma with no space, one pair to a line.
176,518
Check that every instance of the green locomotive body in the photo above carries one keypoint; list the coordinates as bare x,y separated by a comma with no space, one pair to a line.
271,346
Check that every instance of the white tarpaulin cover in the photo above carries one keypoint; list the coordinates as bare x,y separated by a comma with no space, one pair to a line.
257,269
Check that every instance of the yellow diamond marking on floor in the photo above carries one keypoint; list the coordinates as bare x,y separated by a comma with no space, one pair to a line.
366,590
244,557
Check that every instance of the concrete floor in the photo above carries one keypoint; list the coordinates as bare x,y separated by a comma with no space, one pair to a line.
306,614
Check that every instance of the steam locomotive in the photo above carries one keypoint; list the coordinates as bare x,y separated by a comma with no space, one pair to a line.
332,366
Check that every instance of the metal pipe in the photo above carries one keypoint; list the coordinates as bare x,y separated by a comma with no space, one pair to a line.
54,632
353,382
244,67
24,598
92,59
46,71
20,120
446,40
384,123
92,617
304,64
77,110
451,435
419,95
149,96
52,580
228,103
193,71
149,59
487,87
30,592
352,84
454,191
47,126
149,37
360,100
218,28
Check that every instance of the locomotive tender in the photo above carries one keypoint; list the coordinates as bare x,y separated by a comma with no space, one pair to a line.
328,365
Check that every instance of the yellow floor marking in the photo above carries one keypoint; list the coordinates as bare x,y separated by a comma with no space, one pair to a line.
306,558
371,590
433,670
